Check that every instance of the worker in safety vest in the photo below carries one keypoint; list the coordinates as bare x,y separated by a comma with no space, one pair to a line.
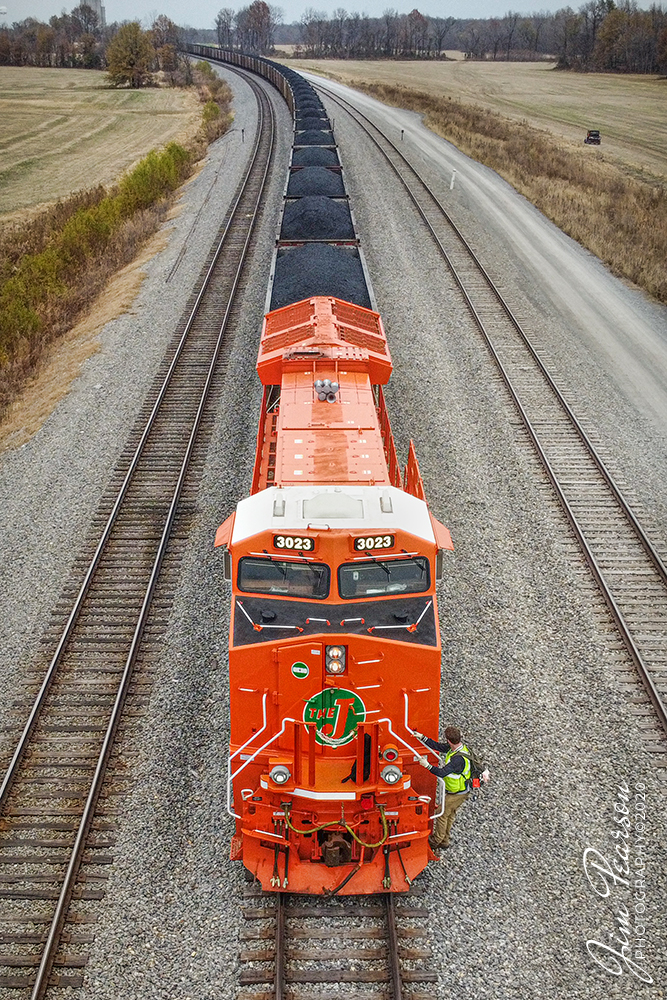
456,774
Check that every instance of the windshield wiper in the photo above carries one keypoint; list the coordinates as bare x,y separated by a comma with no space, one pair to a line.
382,565
260,626
410,627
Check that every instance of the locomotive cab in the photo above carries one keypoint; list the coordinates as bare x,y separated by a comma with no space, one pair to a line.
330,619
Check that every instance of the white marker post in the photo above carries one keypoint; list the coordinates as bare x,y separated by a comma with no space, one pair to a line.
451,183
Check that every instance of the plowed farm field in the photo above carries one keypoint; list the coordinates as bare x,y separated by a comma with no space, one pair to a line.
65,130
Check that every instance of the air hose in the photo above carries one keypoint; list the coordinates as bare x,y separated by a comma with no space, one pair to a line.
385,831
323,826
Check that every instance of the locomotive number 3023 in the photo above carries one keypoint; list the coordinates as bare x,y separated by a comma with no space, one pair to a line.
371,542
293,542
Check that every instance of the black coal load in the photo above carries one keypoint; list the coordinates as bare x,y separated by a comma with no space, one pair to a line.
315,180
313,114
319,269
314,137
317,218
308,102
315,156
311,119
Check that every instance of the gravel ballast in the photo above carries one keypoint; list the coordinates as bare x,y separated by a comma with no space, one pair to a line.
530,665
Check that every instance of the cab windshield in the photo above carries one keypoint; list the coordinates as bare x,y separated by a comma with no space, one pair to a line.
384,576
287,579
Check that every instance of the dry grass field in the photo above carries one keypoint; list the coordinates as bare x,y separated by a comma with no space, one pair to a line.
630,111
65,130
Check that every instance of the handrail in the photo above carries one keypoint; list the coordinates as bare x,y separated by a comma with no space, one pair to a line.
409,728
440,790
440,781
254,735
232,775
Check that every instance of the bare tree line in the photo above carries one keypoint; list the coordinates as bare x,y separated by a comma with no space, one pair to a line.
69,40
251,29
601,36
78,40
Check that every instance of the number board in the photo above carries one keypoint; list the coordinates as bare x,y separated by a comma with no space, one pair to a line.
370,543
294,543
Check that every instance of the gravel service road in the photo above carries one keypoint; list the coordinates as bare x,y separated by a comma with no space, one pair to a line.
531,669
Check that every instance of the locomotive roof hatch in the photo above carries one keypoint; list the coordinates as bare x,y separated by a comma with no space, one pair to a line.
374,508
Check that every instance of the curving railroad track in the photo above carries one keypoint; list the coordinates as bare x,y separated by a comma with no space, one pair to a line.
54,838
623,560
372,944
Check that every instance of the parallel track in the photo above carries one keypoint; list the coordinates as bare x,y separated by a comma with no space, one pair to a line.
303,943
630,573
49,794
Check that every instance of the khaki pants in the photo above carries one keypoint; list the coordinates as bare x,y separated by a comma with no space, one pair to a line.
444,823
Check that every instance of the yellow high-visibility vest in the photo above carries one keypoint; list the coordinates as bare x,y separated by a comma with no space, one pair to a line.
455,783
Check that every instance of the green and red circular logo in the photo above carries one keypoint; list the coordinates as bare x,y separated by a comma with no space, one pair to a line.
336,714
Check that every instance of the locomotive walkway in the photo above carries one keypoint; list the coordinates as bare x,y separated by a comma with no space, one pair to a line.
54,836
630,573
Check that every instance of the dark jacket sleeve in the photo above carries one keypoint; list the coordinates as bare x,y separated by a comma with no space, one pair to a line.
440,747
455,766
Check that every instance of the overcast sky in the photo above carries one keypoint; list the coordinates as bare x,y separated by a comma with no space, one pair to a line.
201,13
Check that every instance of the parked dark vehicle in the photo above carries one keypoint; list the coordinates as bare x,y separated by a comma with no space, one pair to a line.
592,137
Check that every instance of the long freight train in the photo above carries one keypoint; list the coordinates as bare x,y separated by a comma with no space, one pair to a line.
334,649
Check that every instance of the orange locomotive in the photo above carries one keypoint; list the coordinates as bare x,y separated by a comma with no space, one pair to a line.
334,643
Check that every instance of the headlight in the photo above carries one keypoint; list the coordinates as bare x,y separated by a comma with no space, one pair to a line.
280,774
335,659
391,774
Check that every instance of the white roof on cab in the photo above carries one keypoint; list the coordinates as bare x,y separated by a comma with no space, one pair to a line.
355,508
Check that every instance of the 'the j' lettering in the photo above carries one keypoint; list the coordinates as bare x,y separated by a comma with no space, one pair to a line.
336,714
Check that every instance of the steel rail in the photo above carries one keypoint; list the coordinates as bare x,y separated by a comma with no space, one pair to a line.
394,954
642,669
106,532
279,989
52,942
256,167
